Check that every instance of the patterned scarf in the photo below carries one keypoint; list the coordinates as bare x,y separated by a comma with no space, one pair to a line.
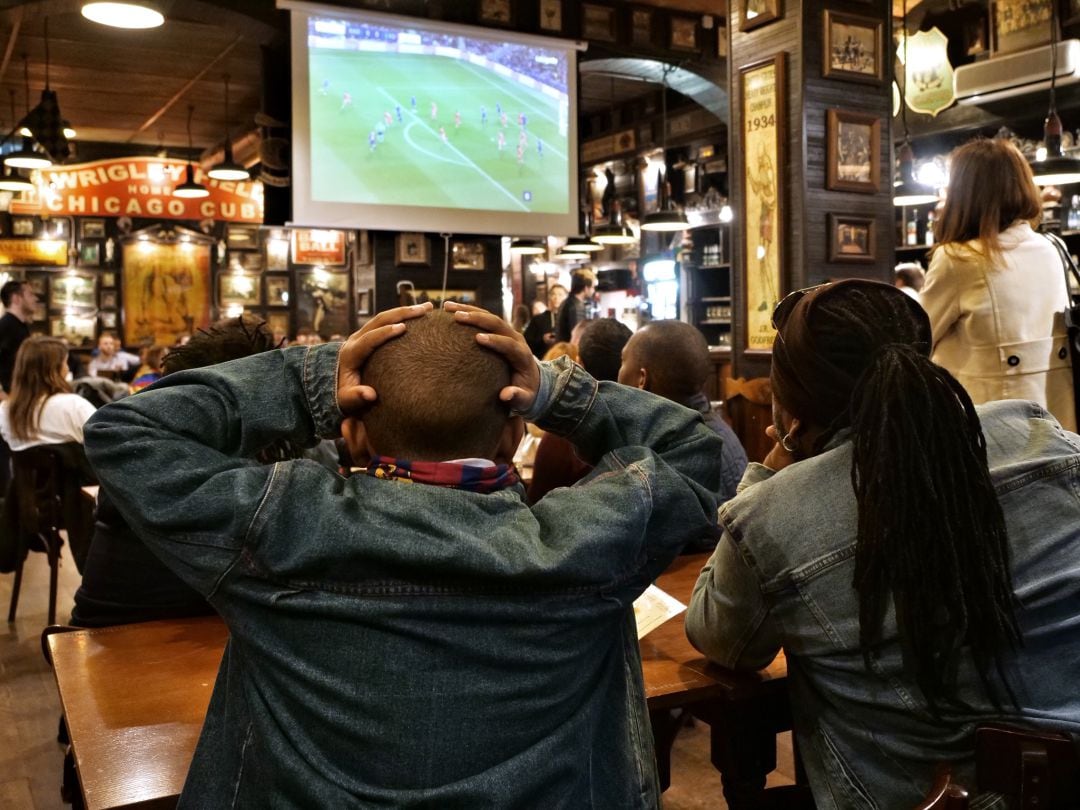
491,478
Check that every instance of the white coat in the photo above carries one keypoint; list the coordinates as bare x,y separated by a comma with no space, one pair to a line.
999,325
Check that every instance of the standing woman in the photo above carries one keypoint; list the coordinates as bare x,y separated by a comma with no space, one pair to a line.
995,291
41,409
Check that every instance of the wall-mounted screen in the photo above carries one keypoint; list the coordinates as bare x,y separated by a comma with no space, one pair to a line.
416,125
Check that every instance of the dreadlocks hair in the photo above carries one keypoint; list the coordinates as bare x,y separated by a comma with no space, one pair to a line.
225,340
931,533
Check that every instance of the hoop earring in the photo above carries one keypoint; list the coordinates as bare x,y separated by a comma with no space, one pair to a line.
787,444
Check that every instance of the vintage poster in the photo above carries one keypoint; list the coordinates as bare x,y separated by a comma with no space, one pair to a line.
166,291
763,194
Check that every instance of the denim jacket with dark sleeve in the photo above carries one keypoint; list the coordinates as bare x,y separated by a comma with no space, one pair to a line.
783,573
405,645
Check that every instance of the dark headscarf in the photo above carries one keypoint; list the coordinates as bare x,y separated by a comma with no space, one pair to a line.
819,355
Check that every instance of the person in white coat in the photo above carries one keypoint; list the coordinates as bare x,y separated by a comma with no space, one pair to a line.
995,291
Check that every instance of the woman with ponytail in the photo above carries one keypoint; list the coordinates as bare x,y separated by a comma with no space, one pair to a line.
917,558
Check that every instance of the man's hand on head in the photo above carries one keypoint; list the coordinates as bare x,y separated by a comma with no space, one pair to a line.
499,336
354,397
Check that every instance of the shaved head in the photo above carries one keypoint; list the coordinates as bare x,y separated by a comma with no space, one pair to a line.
673,357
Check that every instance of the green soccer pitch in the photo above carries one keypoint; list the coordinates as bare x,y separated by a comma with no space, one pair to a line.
411,163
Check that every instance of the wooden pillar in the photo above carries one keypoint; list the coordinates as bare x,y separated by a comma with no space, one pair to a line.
797,232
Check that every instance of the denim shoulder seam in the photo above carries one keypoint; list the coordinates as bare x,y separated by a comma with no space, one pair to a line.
1057,468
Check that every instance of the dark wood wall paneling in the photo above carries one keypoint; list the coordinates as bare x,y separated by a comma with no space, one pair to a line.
487,283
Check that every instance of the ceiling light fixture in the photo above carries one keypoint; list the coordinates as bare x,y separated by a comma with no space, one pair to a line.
11,180
228,169
908,191
667,217
26,157
1054,169
129,14
581,244
527,247
189,189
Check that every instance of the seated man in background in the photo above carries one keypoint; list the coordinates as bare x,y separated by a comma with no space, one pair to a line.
671,359
415,636
112,358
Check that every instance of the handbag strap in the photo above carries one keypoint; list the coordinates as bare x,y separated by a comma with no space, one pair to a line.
1072,314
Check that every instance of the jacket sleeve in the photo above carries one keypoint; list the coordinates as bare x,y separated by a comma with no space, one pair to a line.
177,459
656,476
940,295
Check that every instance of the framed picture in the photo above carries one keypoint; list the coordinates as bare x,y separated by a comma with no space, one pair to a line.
851,239
277,252
853,47
683,34
1020,24
108,279
411,248
494,11
238,288
323,302
365,301
242,237
317,246
853,151
278,323
108,299
77,330
1070,12
108,320
551,15
761,89
467,255
641,26
436,296
758,12
91,229
277,290
39,283
90,254
245,261
166,290
73,290
597,22
23,226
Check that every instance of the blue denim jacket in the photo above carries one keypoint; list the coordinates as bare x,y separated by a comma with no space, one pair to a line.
398,645
782,575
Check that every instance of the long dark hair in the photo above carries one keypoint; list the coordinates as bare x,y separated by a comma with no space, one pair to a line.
931,534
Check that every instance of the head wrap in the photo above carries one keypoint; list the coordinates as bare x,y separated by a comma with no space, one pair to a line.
817,361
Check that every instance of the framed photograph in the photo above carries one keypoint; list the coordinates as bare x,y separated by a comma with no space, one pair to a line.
853,152
551,15
90,254
238,288
436,297
641,26
277,290
1070,12
853,47
166,290
365,302
108,279
851,239
753,13
91,229
323,302
23,226
278,322
245,261
108,299
467,255
683,34
411,248
597,22
277,252
108,320
242,237
77,330
494,11
1020,24
761,88
73,290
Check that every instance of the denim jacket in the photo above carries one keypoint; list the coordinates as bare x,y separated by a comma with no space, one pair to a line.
397,645
782,576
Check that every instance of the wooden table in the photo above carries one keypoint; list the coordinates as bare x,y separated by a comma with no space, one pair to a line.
135,696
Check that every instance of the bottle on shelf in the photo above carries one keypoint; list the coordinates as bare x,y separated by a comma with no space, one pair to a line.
929,239
1072,221
912,231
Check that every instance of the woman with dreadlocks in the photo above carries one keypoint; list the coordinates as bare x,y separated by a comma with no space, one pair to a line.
917,558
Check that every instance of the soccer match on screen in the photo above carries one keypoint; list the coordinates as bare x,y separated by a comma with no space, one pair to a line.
411,117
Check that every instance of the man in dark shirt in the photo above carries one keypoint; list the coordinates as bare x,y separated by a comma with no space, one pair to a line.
574,308
19,301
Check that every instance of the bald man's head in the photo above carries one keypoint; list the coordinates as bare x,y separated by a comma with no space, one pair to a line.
668,358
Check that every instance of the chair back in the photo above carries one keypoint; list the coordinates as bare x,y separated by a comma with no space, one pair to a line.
37,482
749,408
1038,769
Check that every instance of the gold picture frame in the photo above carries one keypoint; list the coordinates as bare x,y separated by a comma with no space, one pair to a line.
762,102
755,13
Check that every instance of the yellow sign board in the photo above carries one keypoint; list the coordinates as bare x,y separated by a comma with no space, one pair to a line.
34,251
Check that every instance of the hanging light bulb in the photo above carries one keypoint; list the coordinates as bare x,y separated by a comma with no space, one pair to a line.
908,191
130,14
189,189
668,217
228,169
11,180
26,156
1052,168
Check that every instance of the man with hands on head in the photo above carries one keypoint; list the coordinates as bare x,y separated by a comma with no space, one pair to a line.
417,635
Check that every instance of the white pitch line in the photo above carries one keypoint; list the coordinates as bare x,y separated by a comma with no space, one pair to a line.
419,148
465,157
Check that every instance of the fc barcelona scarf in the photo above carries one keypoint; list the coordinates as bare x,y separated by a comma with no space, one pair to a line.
490,478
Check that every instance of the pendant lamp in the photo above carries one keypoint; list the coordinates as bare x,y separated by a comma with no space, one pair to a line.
1055,169
582,243
26,157
527,247
668,217
128,14
11,180
908,191
189,189
228,169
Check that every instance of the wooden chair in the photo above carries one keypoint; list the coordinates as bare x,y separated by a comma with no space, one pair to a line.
38,514
1040,770
945,795
749,408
